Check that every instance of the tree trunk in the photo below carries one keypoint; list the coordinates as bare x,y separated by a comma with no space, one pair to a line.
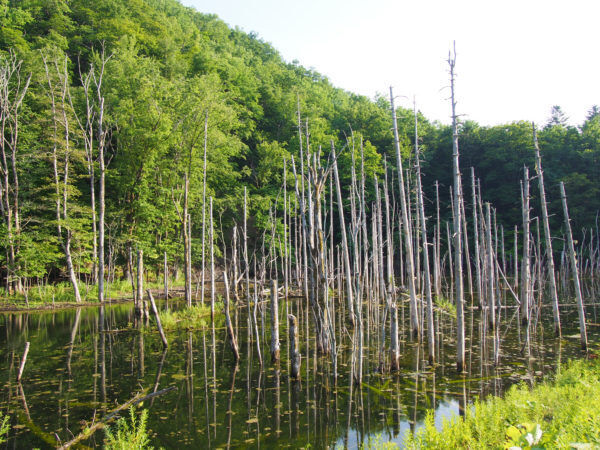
547,236
274,322
414,317
458,263
140,284
295,356
574,269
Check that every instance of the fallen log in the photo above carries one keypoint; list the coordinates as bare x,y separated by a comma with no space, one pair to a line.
138,398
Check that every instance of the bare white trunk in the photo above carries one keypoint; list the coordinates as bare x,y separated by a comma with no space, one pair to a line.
574,269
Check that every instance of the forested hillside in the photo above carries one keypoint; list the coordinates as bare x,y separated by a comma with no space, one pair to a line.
136,90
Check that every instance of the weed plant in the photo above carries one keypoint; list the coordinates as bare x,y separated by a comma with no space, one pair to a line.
129,434
4,427
561,413
196,316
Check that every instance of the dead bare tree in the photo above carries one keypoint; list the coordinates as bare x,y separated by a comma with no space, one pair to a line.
414,315
574,269
547,236
458,263
57,78
13,88
423,222
102,133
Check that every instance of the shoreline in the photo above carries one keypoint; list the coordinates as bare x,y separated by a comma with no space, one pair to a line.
16,308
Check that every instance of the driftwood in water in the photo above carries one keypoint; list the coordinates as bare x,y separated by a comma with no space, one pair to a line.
139,398
157,317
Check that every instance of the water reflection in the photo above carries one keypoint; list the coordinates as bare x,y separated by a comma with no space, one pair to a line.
85,362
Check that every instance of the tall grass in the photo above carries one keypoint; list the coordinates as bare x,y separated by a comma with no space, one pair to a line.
553,414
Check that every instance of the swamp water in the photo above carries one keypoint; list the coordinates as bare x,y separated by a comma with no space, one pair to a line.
76,372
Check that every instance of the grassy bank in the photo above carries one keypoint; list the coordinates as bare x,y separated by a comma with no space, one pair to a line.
62,294
560,413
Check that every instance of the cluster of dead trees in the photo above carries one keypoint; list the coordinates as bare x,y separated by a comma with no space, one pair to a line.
369,259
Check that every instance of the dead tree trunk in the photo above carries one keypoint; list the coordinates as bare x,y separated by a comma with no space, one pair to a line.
11,100
139,296
526,261
477,256
58,92
547,236
295,356
274,322
166,277
421,213
228,325
574,269
87,130
345,249
204,207
102,134
458,266
414,316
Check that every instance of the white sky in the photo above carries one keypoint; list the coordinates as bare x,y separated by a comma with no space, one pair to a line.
516,58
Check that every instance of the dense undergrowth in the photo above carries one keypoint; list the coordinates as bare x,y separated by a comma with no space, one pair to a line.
554,414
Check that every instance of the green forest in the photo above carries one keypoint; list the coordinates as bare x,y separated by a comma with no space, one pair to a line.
136,91
330,270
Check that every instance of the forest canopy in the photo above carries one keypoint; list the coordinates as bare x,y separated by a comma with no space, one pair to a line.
176,81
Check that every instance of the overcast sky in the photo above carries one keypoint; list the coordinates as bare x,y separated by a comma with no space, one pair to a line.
516,58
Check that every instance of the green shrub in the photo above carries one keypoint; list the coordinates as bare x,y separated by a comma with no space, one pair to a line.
4,427
554,414
128,434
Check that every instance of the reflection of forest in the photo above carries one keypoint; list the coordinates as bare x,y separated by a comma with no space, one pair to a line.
84,362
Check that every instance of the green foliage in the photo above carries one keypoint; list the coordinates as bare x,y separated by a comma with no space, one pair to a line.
524,436
129,434
445,305
169,67
551,415
197,316
62,292
377,442
4,427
